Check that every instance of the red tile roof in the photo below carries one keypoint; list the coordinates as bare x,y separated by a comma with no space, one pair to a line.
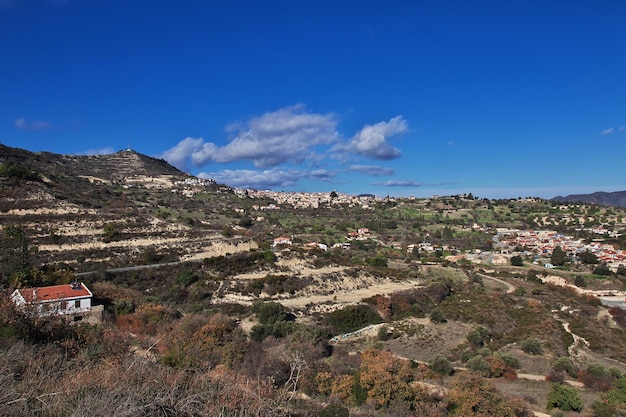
55,292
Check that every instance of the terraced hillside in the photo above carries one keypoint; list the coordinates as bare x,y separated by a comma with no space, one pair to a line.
105,211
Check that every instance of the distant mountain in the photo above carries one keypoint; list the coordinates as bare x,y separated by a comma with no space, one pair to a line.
617,198
110,167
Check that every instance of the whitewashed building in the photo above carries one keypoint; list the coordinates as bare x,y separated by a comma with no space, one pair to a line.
73,299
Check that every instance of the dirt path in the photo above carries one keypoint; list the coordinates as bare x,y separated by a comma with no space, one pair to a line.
336,300
510,287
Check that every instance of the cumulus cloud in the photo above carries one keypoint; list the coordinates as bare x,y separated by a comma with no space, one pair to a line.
400,183
373,170
246,178
372,140
23,124
103,151
290,134
607,131
266,179
185,149
409,183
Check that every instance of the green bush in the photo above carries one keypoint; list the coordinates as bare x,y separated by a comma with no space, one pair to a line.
564,364
334,410
532,346
440,365
509,360
186,277
378,261
479,365
352,318
437,316
517,261
565,398
479,336
121,307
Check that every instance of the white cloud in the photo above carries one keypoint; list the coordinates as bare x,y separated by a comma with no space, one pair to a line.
266,179
608,131
372,141
373,170
179,154
399,183
290,134
103,151
622,128
246,178
23,124
409,183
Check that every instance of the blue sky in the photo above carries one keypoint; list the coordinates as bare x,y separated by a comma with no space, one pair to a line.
498,98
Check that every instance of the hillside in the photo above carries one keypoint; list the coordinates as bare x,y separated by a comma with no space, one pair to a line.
117,210
110,167
200,305
616,199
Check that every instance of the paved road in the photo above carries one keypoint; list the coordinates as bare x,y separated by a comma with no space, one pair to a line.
130,268
614,301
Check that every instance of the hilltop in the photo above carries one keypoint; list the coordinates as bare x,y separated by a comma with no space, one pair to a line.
112,167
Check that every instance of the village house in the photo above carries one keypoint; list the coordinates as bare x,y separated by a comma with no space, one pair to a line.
68,299
282,240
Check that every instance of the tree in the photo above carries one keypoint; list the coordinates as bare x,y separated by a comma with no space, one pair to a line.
579,281
558,256
517,261
378,260
17,255
565,364
532,346
471,395
437,316
564,397
602,269
587,257
439,364
479,336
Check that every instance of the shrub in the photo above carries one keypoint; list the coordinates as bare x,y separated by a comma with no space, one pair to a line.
602,269
478,336
579,281
440,365
520,291
378,261
532,346
564,397
121,307
517,261
479,365
564,364
352,318
510,360
334,410
186,277
437,316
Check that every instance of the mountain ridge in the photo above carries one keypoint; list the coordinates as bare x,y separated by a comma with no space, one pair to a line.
615,198
110,167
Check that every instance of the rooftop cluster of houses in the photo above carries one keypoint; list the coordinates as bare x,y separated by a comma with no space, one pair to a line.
195,182
360,234
543,242
310,200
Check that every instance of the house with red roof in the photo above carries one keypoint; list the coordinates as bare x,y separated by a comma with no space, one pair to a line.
73,299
